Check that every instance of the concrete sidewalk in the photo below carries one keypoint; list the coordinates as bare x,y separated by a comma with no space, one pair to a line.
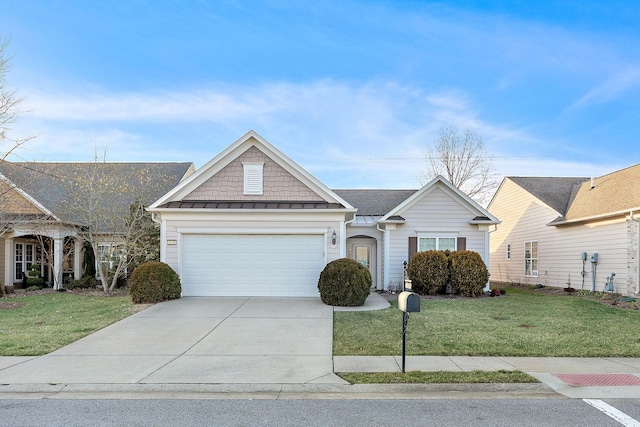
568,376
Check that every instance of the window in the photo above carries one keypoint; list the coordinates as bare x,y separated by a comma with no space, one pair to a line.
436,242
531,258
26,254
253,178
508,250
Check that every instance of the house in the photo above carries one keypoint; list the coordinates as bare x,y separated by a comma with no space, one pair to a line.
568,232
253,222
43,207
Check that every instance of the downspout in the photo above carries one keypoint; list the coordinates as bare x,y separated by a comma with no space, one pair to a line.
385,250
633,218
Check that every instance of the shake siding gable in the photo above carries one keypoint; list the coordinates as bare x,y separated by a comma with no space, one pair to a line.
437,212
278,184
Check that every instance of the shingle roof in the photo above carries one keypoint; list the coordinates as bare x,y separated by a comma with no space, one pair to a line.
374,202
615,192
51,183
553,191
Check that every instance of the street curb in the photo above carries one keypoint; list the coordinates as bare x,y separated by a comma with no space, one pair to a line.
276,391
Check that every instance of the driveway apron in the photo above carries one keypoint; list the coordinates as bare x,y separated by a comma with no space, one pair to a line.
198,340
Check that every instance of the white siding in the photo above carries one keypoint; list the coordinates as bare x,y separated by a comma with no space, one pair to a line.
524,218
437,212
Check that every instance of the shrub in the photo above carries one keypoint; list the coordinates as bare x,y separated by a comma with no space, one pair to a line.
35,281
85,282
344,282
33,288
428,272
153,282
469,274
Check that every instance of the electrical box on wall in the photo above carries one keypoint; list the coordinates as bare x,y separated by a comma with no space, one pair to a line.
594,258
583,256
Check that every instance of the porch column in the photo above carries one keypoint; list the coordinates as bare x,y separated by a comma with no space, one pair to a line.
9,257
379,257
58,244
343,239
163,240
77,258
385,250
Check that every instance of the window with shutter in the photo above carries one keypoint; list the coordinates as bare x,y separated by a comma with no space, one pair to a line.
253,182
440,242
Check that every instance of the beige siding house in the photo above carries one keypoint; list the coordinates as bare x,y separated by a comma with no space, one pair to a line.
253,222
552,227
37,226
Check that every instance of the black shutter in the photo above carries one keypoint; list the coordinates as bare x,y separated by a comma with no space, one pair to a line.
413,247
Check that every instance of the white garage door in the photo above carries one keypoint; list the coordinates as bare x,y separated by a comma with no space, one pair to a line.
251,265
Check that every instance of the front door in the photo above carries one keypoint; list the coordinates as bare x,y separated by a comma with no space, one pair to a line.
363,250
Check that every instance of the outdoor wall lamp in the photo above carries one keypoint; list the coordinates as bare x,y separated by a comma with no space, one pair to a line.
334,238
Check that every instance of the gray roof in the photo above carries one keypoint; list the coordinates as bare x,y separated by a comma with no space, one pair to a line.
554,191
374,202
57,185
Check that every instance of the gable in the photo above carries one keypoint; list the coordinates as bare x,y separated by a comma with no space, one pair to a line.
228,183
438,207
219,184
455,197
14,203
555,192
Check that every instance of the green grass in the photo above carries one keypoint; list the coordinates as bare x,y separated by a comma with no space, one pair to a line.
440,377
522,323
51,321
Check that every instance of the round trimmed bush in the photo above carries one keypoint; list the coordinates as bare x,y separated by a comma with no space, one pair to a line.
469,274
153,282
428,272
344,282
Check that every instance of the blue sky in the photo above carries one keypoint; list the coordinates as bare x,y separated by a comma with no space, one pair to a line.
354,91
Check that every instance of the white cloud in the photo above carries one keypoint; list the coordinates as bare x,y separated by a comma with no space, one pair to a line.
367,135
619,83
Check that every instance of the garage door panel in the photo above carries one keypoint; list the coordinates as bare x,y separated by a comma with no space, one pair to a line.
261,265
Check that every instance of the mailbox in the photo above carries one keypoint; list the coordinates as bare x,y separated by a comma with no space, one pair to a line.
409,302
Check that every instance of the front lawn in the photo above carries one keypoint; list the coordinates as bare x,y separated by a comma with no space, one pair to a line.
32,325
521,323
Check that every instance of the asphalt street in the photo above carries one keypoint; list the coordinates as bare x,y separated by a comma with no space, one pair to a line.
256,412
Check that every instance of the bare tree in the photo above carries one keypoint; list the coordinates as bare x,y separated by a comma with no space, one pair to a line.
107,200
11,202
464,161
9,107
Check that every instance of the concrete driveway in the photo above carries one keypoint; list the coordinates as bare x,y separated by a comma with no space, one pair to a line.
198,341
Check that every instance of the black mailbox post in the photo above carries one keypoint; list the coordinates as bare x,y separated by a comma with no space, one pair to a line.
408,302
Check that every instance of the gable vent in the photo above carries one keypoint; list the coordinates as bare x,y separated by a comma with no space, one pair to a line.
253,180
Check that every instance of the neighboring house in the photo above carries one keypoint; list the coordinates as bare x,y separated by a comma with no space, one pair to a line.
38,220
253,222
552,227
